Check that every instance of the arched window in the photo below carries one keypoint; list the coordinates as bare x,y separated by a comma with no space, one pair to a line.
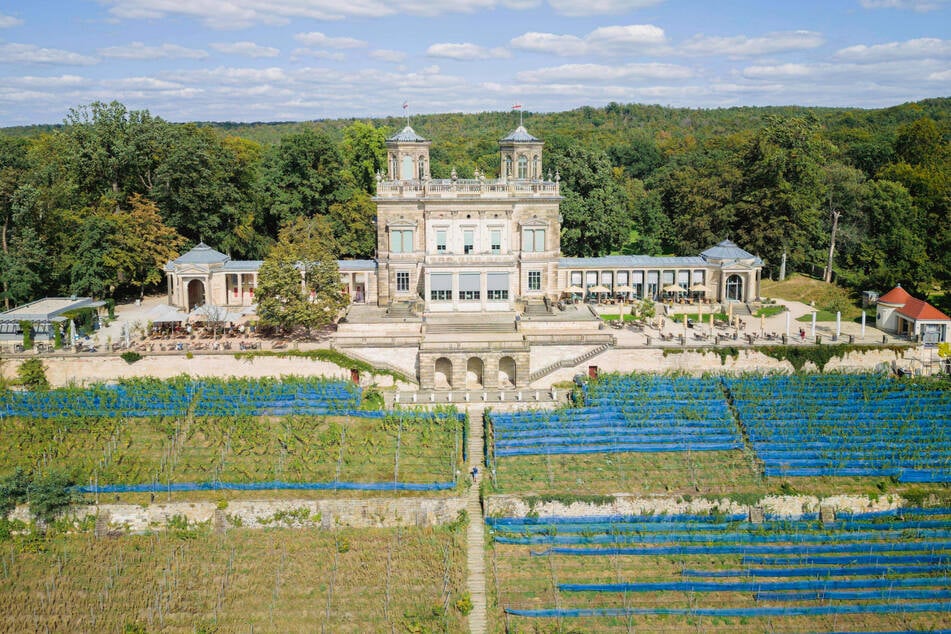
734,288
522,167
421,163
536,167
407,172
508,166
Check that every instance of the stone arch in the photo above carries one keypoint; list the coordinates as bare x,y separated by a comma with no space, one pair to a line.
474,370
443,373
196,294
507,372
734,288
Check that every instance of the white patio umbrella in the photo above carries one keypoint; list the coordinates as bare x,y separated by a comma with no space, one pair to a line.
574,290
624,289
600,288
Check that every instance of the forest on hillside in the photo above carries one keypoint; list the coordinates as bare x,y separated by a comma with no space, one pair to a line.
97,205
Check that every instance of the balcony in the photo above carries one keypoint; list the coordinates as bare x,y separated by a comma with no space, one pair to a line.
467,188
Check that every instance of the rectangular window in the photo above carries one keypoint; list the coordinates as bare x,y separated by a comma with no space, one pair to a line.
539,240
468,241
470,286
576,278
497,285
533,240
440,240
683,279
534,280
402,281
401,241
440,286
495,240
622,278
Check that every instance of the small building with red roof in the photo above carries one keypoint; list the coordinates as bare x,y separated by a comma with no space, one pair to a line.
900,313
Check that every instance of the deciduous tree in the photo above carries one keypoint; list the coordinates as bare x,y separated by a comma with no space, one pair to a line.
299,281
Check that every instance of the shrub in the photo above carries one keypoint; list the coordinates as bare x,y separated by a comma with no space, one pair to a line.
13,489
27,328
32,374
50,495
130,356
464,604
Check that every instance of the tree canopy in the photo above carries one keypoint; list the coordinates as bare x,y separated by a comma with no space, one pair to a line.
635,179
299,282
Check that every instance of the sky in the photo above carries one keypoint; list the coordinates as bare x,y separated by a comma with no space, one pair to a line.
294,60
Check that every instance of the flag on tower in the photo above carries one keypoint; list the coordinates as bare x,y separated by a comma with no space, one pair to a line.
517,106
405,105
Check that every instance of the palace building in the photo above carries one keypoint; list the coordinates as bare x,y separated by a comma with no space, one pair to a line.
469,272
475,245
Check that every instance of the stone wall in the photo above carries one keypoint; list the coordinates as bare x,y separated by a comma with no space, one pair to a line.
627,360
325,514
789,506
81,370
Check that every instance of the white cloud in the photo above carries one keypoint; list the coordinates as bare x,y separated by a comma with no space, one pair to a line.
921,6
632,35
142,83
606,40
550,43
465,51
32,54
6,21
743,46
298,53
890,75
603,72
388,55
228,75
62,81
944,75
599,7
921,48
246,49
239,14
138,50
315,38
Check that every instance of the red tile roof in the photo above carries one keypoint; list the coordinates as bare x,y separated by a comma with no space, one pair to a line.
918,309
897,296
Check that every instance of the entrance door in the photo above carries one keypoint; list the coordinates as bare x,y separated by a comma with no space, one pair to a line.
196,294
734,288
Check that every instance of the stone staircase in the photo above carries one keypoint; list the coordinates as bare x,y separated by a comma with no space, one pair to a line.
569,363
475,535
463,326
536,309
740,309
399,310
